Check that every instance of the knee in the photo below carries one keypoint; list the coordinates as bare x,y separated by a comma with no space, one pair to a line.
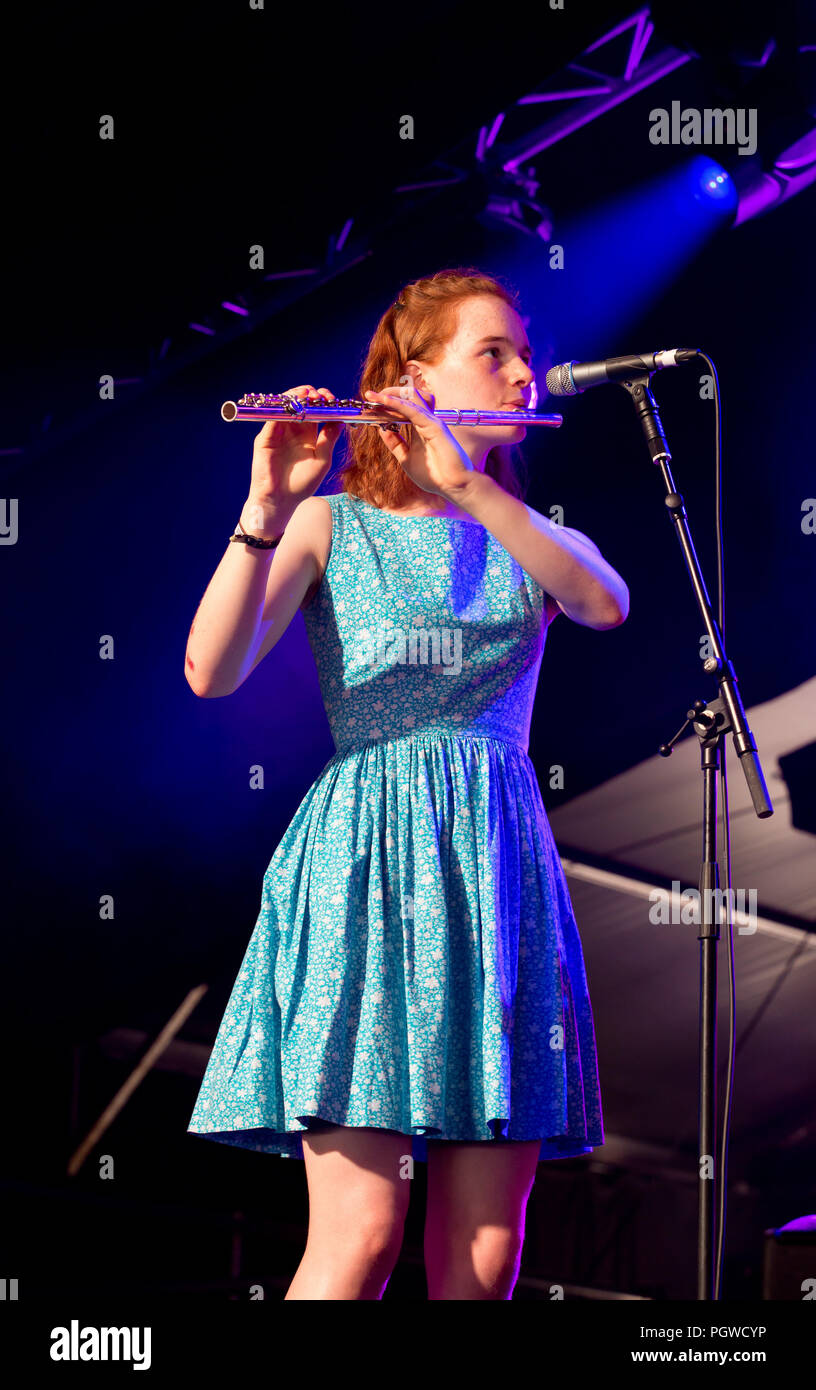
485,1265
496,1247
376,1232
381,1234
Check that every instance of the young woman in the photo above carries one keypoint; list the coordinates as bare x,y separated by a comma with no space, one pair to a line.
414,987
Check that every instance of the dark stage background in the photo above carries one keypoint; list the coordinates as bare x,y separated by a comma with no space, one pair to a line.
237,127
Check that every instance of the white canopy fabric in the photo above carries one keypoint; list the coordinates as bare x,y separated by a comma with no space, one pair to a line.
641,831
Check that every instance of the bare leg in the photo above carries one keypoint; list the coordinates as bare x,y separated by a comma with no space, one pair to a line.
474,1224
358,1200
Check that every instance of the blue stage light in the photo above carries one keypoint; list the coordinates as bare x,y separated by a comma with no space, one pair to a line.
715,182
622,253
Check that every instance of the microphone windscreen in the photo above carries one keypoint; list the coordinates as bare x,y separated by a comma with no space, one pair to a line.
559,380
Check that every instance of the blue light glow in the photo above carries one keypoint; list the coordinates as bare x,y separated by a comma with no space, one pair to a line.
622,253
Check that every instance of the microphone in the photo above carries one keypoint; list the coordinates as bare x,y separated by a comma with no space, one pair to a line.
570,378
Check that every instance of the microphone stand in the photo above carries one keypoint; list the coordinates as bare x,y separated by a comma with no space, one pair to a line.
712,720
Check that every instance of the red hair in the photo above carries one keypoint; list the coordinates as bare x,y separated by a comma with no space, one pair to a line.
419,329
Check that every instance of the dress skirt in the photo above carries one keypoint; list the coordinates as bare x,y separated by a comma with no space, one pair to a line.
415,965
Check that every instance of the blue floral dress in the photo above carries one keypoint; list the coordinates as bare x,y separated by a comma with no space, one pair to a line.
416,964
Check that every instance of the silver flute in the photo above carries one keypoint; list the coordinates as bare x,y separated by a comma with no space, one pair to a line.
350,412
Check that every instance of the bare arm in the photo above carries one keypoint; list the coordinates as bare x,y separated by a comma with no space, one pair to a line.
254,594
566,563
252,598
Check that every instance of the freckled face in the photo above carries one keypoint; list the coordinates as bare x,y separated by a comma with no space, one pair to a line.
476,373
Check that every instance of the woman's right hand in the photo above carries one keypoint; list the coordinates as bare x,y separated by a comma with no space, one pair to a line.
289,461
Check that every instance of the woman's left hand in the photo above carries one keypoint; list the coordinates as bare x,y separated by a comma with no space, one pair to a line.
435,462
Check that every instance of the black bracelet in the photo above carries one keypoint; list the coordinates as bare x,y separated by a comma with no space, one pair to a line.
257,542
